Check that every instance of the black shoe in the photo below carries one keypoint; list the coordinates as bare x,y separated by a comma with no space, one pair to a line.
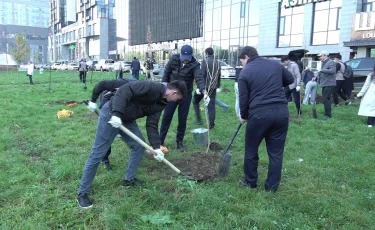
107,165
83,200
181,147
244,183
198,122
211,127
133,182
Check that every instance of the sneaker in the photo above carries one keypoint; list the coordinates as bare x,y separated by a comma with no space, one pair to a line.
198,122
348,102
83,200
181,147
370,126
325,117
337,105
132,182
244,183
107,165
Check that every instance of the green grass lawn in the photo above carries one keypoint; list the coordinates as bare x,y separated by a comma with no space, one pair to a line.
42,159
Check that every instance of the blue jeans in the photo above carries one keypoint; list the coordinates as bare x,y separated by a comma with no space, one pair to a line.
311,88
135,74
105,134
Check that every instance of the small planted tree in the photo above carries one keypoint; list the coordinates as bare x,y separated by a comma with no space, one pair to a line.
21,50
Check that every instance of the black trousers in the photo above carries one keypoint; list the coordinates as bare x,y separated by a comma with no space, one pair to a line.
327,92
30,78
183,112
349,86
271,124
371,121
82,76
339,91
211,108
296,96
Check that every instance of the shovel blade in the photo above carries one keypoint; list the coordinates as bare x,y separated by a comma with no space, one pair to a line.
224,165
315,115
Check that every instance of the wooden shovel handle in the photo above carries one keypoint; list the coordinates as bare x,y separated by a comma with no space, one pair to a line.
146,146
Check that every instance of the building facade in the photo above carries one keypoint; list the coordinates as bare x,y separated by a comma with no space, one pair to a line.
276,27
88,33
30,18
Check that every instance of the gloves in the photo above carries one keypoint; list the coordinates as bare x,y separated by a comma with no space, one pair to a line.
159,155
359,95
206,100
218,90
115,122
298,88
91,106
198,92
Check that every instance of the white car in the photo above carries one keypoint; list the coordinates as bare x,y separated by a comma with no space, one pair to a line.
105,65
55,65
73,66
227,71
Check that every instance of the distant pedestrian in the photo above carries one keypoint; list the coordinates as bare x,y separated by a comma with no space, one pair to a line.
82,68
340,82
30,72
327,80
311,86
149,65
294,88
264,107
367,93
135,66
117,69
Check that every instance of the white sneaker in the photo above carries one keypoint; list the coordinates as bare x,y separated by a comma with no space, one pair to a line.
370,126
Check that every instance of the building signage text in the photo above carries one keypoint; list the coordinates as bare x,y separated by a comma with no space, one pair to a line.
363,26
292,3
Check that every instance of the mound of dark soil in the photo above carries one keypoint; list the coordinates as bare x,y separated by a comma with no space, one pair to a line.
215,146
225,90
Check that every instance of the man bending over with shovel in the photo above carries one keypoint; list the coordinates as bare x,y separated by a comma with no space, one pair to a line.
134,100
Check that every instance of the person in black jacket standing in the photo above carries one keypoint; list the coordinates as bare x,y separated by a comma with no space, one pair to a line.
106,89
211,75
134,100
135,66
182,67
264,107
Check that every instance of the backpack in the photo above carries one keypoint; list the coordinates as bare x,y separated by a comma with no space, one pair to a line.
348,71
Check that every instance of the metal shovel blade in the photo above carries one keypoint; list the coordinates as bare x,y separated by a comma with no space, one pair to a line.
224,165
315,115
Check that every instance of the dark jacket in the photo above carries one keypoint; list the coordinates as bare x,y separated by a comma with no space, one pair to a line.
108,85
135,65
141,99
261,83
307,76
327,75
187,73
213,70
149,64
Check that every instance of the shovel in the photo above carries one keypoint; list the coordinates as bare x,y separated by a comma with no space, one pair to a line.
225,157
315,115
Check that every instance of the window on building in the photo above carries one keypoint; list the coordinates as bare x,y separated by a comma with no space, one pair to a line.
291,26
368,5
326,28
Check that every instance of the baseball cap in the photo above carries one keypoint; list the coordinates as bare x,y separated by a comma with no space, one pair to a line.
323,53
186,52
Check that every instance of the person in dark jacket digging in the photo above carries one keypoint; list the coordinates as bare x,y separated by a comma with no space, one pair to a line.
106,89
134,100
182,67
135,66
211,74
264,107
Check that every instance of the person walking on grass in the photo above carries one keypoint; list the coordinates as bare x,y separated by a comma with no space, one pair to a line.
30,72
132,101
367,95
340,82
211,75
327,81
311,86
106,89
117,69
264,107
186,68
82,68
294,88
135,66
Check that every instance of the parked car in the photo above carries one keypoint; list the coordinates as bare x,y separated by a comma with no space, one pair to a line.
227,71
361,66
126,67
158,70
73,66
56,65
104,65
91,65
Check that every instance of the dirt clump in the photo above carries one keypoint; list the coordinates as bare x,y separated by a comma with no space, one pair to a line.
225,90
215,146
